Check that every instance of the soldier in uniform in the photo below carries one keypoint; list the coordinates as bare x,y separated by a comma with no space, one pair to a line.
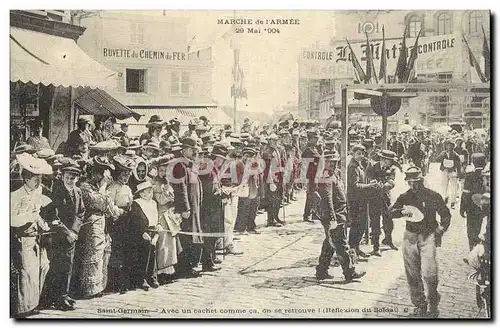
473,184
358,192
273,181
310,159
421,239
332,214
384,173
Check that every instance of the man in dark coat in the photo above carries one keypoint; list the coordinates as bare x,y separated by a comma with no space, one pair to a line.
273,180
70,211
310,159
382,172
473,184
332,214
188,197
358,193
416,151
79,139
212,215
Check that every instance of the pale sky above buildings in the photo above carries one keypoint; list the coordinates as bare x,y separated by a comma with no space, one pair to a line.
269,61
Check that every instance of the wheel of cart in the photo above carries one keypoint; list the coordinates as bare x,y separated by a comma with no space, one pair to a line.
481,279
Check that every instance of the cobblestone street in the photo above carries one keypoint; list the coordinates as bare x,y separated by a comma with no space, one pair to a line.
275,278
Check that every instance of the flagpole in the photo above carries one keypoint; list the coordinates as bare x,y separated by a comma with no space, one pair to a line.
234,81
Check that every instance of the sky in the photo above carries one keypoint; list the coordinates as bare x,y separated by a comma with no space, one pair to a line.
269,61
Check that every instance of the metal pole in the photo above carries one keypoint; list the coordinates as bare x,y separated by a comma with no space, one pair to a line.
234,113
384,131
344,142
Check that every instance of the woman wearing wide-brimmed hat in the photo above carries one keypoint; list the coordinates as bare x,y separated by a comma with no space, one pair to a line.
144,237
155,128
90,261
122,197
29,263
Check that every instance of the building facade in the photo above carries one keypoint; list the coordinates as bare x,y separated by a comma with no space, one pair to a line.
157,71
443,58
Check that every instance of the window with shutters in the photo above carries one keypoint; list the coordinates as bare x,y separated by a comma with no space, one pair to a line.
475,21
135,79
136,33
444,24
180,83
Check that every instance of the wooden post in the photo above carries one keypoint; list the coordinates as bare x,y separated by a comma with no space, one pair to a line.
384,131
344,141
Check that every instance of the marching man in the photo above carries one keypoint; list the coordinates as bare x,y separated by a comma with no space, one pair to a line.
422,235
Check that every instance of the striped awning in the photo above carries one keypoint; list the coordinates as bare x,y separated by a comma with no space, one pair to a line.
100,103
53,60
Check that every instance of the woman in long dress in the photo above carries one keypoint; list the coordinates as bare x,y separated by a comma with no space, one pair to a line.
29,263
90,267
168,245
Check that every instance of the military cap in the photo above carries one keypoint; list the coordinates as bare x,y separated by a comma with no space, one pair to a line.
387,154
357,147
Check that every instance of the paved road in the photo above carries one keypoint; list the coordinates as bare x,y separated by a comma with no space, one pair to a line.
275,278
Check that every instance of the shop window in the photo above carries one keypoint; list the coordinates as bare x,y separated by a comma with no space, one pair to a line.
180,83
135,79
475,22
444,24
415,24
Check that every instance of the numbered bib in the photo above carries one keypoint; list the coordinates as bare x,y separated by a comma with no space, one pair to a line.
448,163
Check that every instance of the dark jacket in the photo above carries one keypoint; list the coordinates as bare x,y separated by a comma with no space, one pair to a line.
333,204
308,154
429,203
70,211
357,188
473,184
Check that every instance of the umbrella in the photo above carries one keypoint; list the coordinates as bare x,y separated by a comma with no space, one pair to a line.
286,117
405,128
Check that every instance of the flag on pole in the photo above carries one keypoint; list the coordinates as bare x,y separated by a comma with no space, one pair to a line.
486,55
357,66
410,69
403,56
370,66
238,89
473,62
383,60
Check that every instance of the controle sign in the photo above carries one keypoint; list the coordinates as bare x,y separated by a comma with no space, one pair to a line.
143,54
435,54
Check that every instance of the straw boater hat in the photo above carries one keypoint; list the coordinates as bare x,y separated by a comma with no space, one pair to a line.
33,164
175,144
102,161
71,166
155,120
357,147
413,174
190,142
387,154
24,148
152,145
124,162
220,150
144,185
332,155
249,151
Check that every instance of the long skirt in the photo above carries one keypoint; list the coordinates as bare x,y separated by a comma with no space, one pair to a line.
166,254
89,258
29,266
